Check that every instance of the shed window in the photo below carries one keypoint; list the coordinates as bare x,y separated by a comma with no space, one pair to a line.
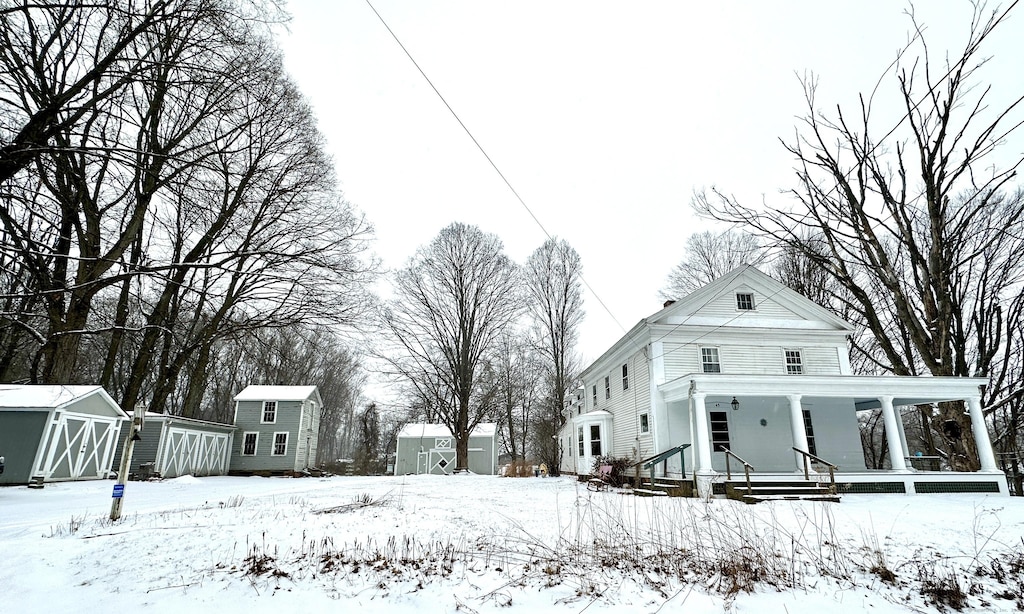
719,431
269,412
794,363
625,377
249,441
280,444
595,440
709,360
744,301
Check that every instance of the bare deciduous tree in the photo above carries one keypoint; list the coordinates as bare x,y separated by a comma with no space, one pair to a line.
554,281
455,298
709,255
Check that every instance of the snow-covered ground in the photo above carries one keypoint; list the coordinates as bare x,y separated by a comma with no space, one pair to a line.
485,544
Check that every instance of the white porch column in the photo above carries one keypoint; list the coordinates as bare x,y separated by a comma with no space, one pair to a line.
903,435
981,440
796,422
892,435
702,438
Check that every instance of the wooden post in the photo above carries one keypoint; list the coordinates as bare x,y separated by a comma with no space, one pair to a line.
126,460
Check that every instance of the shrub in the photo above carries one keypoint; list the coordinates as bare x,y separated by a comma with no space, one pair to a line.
619,465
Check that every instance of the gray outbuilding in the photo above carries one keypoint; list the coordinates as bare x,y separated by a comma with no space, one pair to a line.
173,446
53,432
278,429
430,448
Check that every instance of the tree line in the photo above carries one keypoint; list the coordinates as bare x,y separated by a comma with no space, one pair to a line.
171,224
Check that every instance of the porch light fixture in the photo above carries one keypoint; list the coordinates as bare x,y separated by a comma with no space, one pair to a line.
735,404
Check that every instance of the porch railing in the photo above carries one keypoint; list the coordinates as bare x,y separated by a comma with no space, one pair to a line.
808,458
649,463
747,467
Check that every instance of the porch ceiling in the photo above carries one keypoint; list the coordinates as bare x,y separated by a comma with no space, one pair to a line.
865,390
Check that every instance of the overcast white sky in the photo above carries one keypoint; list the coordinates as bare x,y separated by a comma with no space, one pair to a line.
604,116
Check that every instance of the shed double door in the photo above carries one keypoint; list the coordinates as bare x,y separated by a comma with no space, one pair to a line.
77,447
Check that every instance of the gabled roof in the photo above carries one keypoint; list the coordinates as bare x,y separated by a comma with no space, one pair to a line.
50,396
807,315
484,429
767,290
278,393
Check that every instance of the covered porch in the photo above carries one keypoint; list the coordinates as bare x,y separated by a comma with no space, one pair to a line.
768,423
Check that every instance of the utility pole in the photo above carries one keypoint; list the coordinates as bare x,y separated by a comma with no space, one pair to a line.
138,417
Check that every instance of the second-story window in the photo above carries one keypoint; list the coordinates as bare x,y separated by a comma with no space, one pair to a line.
745,301
709,360
595,395
607,388
794,363
625,377
269,412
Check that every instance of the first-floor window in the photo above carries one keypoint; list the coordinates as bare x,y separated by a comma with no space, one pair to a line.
645,425
595,440
809,429
580,438
280,444
249,441
719,431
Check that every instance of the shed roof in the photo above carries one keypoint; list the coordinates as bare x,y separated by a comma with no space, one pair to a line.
47,396
277,393
486,429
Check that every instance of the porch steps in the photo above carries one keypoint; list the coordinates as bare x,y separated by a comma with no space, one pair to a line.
775,491
671,489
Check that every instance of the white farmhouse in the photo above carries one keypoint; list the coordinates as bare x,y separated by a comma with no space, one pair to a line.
747,368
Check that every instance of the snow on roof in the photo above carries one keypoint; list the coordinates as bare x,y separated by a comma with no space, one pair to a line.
276,393
486,429
42,396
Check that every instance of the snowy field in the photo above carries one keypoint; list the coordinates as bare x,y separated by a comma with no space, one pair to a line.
479,544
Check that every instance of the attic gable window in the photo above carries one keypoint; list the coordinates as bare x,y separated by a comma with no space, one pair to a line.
607,388
269,412
595,395
625,377
745,301
794,363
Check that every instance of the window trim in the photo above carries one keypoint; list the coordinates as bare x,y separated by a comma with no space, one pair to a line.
272,407
625,377
745,298
255,442
704,364
793,368
275,443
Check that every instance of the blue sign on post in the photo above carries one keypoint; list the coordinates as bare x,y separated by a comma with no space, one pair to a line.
118,491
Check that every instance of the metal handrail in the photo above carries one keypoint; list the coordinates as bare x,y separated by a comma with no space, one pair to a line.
808,457
747,467
649,463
